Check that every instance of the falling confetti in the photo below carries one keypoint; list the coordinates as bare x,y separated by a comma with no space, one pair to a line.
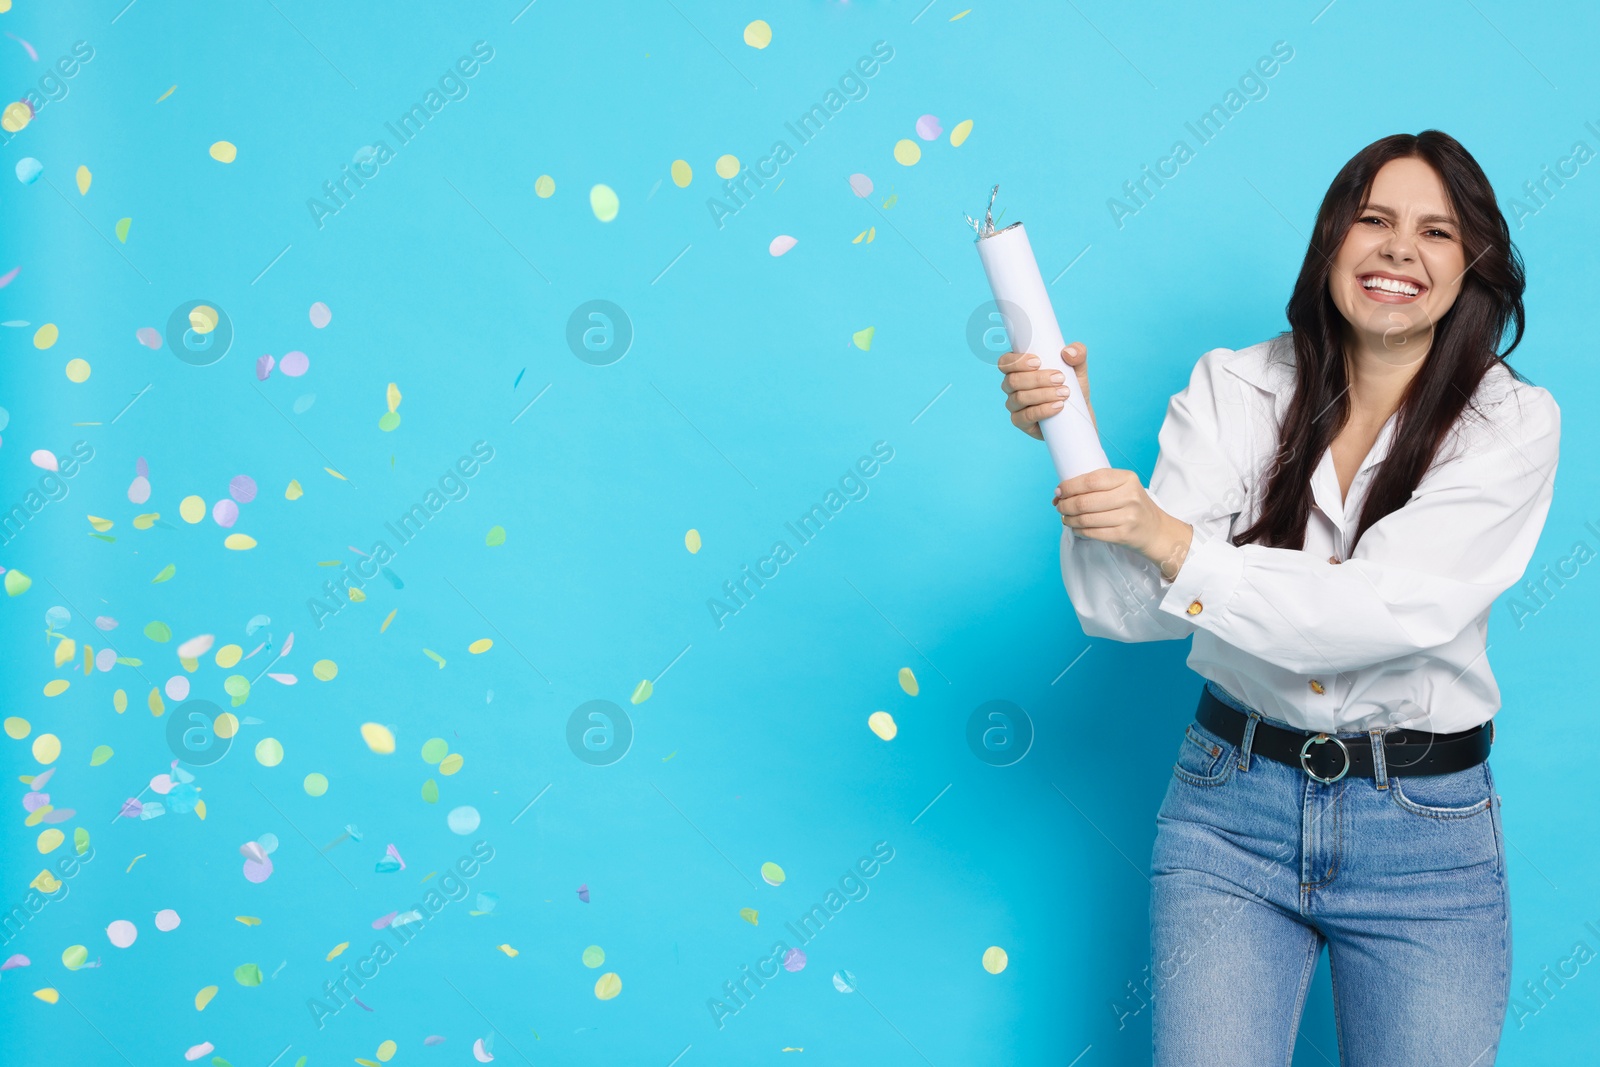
781,244
608,986
995,959
544,187
959,135
682,173
907,152
882,724
727,166
772,874
603,201
928,128
84,178
863,338
320,315
908,681
224,152
691,541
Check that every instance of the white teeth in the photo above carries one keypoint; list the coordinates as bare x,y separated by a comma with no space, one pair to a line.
1390,285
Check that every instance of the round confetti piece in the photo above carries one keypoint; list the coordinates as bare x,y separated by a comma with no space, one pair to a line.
772,874
751,916
148,337
55,687
121,933
100,755
324,670
882,724
781,244
247,974
594,956
177,687
46,747
229,655
608,986
15,116
794,960
224,152
77,370
28,170
995,959
44,459
386,1051
225,513
50,996
603,202
167,920
480,646
908,681
378,737
242,488
50,840
269,752
203,318
682,173
320,315
907,152
294,364
844,981
45,336
861,185
959,134
758,34
463,820
316,784
192,509
727,166
450,764
202,998
17,729
691,541
238,541
225,725
389,421
74,957
544,187
257,871
928,128
435,749
430,791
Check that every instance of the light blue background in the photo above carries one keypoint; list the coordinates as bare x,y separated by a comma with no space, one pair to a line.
741,402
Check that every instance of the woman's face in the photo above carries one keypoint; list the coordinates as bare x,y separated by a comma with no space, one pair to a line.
1400,267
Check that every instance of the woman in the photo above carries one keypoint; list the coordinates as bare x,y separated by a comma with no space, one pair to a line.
1331,516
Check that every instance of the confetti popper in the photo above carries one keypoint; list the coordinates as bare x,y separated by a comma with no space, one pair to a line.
1030,321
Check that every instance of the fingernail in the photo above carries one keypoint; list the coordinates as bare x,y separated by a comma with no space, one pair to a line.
1057,377
1062,391
1033,361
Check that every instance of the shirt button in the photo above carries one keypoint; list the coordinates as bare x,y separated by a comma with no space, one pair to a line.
1316,687
1195,607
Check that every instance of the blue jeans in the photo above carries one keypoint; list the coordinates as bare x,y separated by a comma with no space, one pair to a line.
1257,865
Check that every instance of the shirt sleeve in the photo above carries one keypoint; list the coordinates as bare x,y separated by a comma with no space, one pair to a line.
1419,576
1117,592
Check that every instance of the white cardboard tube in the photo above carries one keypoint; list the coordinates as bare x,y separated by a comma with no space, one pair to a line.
1030,321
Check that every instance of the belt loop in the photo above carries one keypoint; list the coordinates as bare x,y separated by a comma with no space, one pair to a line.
1248,740
1380,768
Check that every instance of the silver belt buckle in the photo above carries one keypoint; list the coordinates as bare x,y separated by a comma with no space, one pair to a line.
1318,740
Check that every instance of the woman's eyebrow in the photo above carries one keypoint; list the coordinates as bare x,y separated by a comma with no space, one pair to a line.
1426,218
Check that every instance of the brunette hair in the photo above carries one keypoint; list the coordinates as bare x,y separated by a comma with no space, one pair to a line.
1464,347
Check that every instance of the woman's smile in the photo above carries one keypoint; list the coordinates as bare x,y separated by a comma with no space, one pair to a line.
1386,288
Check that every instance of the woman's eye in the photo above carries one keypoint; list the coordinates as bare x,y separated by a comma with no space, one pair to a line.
1439,233
1371,218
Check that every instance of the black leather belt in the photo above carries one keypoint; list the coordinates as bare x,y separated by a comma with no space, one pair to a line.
1328,758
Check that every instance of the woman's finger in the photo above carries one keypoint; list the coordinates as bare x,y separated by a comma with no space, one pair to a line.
1017,361
1036,397
1031,379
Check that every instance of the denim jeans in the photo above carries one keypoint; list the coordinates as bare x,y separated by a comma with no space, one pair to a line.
1257,866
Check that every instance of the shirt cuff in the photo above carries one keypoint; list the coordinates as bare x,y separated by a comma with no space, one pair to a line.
1206,582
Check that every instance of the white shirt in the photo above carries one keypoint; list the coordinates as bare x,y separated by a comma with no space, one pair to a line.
1393,636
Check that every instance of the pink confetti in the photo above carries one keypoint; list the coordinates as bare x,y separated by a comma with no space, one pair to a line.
225,513
20,960
480,1053
205,1048
433,1039
162,784
283,679
148,337
383,921
131,808
33,55
5,280
45,459
294,364
242,488
32,802
320,315
781,244
861,185
105,622
583,892
177,687
928,128
264,365
794,960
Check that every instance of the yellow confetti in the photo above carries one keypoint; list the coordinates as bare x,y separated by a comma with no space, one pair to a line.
119,701
191,509
392,395
17,729
386,1051
229,655
727,166
959,134
772,874
135,859
45,336
961,14
66,648
101,754
100,525
907,152
995,959
50,840
202,998
866,235
248,920
45,882
544,187
224,152
758,34
908,681
378,738
166,94
166,572
200,810
269,752
480,646
239,541
682,173
387,620
77,371
84,178
15,117
155,703
608,986
46,747
604,203
750,915
691,541
48,995
642,692
145,521
431,654
336,474
315,785
593,956
122,229
451,763
337,949
509,951
882,724
324,670
863,338
294,492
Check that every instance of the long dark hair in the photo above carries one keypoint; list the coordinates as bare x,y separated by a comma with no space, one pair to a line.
1464,347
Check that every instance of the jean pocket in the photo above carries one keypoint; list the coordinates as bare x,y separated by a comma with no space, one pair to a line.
1445,796
1203,757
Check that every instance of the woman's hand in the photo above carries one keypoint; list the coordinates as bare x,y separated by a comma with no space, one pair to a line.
1113,506
1033,394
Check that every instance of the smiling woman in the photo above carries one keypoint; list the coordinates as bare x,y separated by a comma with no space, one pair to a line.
1331,516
